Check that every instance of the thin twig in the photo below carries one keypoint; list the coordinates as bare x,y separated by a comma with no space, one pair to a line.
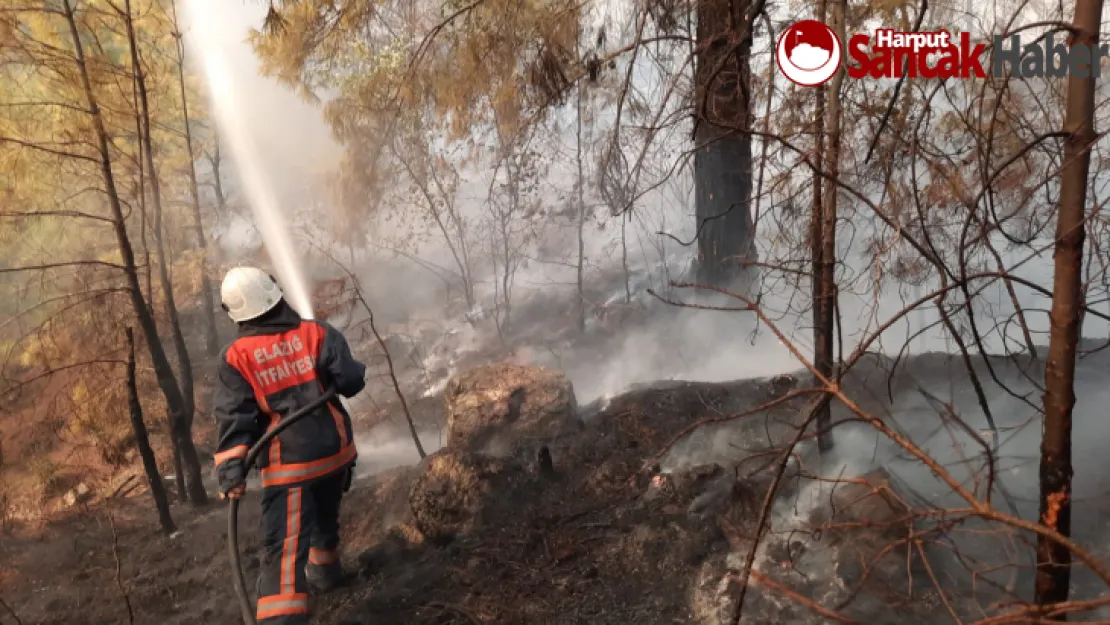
759,578
897,89
393,376
765,406
385,350
119,570
936,582
765,512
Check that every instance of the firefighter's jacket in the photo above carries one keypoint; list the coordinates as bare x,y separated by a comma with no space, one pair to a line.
278,364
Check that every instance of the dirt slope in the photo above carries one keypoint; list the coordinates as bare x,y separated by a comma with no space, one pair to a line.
600,542
581,547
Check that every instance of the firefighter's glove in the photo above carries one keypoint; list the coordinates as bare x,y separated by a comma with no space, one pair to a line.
349,477
231,474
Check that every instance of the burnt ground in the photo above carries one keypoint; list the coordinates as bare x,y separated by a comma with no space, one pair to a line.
601,541
583,546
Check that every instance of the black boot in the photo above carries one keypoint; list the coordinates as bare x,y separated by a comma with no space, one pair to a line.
325,578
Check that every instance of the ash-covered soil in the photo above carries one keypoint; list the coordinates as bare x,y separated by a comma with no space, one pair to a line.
620,533
583,545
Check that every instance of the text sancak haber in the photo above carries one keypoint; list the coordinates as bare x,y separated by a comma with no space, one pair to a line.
891,53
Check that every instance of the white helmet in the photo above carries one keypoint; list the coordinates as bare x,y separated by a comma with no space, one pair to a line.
248,293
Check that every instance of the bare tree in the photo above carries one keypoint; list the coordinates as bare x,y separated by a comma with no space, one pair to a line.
722,161
439,196
580,203
142,442
175,403
208,315
190,487
824,302
215,161
1053,559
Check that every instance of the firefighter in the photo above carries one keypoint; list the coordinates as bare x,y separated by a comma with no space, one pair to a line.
277,364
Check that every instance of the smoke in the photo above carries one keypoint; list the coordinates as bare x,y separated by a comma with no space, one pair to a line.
240,112
280,136
277,135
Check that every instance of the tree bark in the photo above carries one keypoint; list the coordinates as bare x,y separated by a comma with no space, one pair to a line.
211,340
816,229
581,208
189,465
141,197
624,258
723,156
824,358
1054,560
163,371
142,441
217,180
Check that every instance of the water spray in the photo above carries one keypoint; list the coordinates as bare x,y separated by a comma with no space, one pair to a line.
210,48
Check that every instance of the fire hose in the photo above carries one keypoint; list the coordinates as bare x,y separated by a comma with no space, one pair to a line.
233,510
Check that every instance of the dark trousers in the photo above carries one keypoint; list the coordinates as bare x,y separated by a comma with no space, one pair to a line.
300,526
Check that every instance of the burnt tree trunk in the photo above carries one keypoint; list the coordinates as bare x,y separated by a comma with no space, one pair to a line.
186,461
140,197
211,340
581,202
824,358
1053,559
723,156
816,230
142,441
175,404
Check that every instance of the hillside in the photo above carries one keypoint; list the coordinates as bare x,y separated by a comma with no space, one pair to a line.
621,533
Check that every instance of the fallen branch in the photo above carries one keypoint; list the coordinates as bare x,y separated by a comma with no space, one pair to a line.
130,489
758,578
936,583
119,492
119,570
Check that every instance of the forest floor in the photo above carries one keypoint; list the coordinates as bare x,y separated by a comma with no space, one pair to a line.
581,547
601,541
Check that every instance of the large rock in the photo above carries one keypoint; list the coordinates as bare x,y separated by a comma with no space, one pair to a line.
496,405
454,489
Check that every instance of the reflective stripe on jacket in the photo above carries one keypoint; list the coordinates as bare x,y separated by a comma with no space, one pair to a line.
278,364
